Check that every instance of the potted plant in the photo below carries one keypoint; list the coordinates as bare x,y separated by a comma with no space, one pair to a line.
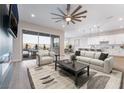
44,47
70,46
36,47
73,59
26,46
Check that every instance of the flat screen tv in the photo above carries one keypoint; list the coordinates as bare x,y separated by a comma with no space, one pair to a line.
13,20
6,40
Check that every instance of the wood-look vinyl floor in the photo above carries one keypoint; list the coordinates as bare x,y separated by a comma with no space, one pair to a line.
20,78
119,65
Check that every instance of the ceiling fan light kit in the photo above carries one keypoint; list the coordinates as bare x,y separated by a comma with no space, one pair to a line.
70,17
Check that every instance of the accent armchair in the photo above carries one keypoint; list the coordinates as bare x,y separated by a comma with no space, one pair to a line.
44,57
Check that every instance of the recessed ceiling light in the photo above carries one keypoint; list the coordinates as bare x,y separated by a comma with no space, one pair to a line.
32,15
120,19
101,30
63,26
121,26
68,19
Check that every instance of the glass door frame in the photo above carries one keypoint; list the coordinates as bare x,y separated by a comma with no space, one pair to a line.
42,34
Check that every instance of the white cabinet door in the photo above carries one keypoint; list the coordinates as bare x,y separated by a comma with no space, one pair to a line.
113,39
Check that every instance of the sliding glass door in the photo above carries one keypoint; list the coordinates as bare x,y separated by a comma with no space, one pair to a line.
30,46
44,42
35,41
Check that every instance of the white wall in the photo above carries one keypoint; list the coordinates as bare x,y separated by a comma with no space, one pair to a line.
18,42
83,42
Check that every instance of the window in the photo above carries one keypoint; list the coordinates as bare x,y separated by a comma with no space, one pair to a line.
44,42
29,41
32,39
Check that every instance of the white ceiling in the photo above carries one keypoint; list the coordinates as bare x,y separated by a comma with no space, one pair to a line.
104,15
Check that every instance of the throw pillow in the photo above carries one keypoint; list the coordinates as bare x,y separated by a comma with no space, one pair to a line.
103,56
77,53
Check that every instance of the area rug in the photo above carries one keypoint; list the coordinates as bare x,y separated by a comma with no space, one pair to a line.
45,77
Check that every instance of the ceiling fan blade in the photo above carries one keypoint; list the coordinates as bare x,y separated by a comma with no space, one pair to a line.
80,13
77,20
61,11
79,7
58,20
72,21
57,14
80,16
68,8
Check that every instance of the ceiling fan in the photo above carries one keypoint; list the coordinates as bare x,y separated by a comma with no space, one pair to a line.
70,17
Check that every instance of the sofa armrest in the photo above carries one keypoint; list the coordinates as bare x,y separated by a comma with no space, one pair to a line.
108,64
52,53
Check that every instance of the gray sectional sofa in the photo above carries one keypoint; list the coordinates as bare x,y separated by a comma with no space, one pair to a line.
92,58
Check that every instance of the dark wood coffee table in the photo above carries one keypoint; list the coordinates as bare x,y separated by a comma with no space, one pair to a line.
77,70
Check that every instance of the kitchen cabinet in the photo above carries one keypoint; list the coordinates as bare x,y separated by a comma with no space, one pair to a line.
112,39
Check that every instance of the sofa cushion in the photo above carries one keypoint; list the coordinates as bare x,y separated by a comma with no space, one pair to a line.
103,56
97,55
89,54
52,53
83,59
85,63
82,53
47,58
97,62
